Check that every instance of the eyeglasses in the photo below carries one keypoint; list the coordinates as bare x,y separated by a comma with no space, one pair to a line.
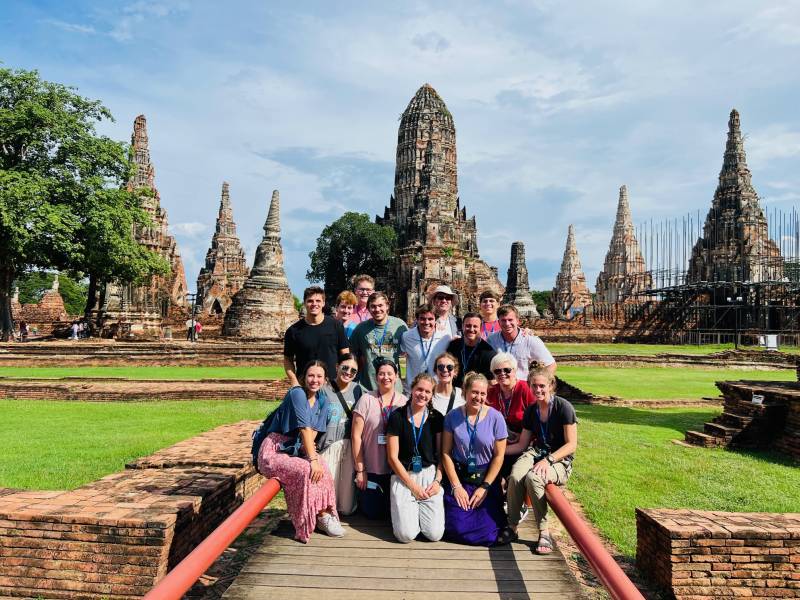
441,297
364,290
344,370
506,370
443,368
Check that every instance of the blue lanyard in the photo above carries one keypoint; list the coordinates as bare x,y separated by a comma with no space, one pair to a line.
417,435
383,336
486,332
386,412
464,359
472,431
506,347
544,431
424,354
506,405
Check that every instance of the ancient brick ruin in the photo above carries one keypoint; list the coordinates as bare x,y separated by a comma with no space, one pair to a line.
264,307
437,243
570,295
225,270
43,315
624,276
518,291
138,309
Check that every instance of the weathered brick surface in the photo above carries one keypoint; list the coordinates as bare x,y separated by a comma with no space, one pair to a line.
116,537
703,555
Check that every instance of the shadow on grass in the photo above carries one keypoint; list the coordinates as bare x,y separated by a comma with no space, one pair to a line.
678,419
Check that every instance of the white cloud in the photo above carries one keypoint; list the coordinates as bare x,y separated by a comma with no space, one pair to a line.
191,229
71,27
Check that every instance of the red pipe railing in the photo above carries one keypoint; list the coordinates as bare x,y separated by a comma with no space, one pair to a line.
182,577
604,566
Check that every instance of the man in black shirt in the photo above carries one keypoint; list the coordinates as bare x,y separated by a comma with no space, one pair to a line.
314,337
472,352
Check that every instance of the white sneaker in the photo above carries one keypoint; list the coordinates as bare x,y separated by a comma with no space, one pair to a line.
330,525
523,513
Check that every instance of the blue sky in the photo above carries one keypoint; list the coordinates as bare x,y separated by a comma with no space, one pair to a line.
556,105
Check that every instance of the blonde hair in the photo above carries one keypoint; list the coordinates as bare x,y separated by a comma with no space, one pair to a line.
471,378
450,357
540,371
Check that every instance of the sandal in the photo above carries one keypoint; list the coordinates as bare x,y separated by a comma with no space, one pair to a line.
506,536
545,544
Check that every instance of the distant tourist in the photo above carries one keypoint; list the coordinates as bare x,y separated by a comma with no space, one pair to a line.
472,352
414,440
363,286
370,423
377,338
446,396
473,445
550,423
489,302
198,329
314,337
74,330
511,397
343,395
422,344
523,345
442,300
345,303
23,331
190,332
289,453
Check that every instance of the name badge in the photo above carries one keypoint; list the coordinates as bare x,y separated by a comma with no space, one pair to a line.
416,464
382,439
472,466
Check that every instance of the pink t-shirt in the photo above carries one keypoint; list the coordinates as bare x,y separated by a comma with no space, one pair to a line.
373,453
489,327
358,316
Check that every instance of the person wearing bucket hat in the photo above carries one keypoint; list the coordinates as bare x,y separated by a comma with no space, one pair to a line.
442,299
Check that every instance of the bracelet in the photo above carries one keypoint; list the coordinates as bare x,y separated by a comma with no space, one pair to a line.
550,459
456,486
439,481
313,459
361,471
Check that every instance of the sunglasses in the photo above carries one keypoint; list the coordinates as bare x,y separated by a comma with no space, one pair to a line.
442,298
506,370
443,368
345,370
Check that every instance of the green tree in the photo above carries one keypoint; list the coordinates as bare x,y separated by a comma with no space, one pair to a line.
541,299
351,245
34,284
63,203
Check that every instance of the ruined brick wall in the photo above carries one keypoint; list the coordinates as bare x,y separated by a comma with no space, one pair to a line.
699,555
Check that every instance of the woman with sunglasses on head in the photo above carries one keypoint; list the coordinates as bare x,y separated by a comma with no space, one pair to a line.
511,397
473,446
446,396
288,451
414,443
343,394
369,438
553,427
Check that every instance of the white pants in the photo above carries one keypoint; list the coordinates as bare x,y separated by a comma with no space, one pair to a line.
339,458
410,516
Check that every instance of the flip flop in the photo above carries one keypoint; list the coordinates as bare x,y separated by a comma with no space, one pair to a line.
545,544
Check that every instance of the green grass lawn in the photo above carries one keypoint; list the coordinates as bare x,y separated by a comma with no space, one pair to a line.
659,383
641,349
147,372
625,460
62,445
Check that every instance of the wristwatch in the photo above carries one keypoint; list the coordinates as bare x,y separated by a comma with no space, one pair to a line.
485,485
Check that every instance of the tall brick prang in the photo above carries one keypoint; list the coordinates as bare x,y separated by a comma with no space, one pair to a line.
225,270
437,243
264,307
570,296
518,291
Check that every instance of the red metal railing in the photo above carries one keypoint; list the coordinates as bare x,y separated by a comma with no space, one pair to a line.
604,566
182,577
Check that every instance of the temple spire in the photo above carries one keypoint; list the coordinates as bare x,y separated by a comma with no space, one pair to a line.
518,291
570,295
273,225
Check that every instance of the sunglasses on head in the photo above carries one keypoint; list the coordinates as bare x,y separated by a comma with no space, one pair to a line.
506,370
443,368
345,370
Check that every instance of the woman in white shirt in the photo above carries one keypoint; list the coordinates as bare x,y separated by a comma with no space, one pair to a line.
446,396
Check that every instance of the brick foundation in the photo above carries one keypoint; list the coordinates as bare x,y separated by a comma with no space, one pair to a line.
699,555
116,537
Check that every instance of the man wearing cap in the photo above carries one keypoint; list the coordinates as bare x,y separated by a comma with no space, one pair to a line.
520,343
447,324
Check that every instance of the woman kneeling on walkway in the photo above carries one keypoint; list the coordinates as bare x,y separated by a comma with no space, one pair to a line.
414,437
473,446
552,424
289,454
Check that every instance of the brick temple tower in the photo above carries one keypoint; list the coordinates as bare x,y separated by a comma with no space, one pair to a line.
437,243
226,269
570,295
735,244
624,273
518,291
140,308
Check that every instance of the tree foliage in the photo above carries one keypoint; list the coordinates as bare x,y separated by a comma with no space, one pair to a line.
349,246
63,202
541,298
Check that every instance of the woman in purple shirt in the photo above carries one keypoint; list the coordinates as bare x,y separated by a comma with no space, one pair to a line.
473,447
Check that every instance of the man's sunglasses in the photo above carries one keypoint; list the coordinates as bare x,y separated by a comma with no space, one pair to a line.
441,297
345,370
443,368
506,370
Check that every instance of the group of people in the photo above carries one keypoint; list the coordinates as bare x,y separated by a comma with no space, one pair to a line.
79,330
450,450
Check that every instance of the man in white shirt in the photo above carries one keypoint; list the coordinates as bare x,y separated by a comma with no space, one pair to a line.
525,347
422,344
442,300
